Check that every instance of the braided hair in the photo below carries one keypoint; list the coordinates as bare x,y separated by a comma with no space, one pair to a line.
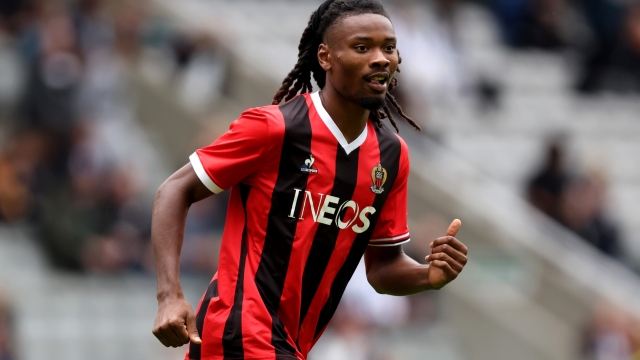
299,79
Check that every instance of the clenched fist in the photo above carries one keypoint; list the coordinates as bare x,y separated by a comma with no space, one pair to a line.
175,323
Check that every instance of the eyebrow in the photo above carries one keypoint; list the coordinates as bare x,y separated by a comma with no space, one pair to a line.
366,38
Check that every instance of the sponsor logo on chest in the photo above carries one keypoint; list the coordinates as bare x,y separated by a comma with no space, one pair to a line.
331,210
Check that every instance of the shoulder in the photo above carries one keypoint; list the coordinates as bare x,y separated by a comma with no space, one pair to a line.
276,116
389,140
404,148
265,121
394,146
401,141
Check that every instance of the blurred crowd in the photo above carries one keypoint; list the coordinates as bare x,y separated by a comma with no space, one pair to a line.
599,39
74,162
603,37
7,330
576,200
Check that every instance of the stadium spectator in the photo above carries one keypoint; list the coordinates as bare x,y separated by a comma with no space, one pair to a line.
13,194
201,64
576,201
94,28
611,61
7,350
532,23
546,186
13,14
583,211
54,76
430,33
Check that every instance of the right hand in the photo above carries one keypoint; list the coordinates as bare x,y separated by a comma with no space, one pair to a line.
448,257
175,323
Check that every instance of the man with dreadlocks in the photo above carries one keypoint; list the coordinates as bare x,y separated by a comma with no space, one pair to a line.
316,183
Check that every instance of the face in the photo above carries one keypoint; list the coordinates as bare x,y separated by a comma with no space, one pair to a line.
360,57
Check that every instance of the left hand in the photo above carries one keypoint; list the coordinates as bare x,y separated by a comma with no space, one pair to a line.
448,257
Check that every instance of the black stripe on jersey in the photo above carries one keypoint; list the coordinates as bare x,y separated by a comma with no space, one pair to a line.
281,229
212,291
324,241
232,336
390,149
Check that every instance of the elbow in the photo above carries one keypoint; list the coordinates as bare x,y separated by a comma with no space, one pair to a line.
164,190
171,191
375,282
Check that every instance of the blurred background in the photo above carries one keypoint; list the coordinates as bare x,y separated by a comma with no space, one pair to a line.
531,118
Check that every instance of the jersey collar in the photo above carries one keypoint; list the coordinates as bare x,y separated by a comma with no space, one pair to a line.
324,115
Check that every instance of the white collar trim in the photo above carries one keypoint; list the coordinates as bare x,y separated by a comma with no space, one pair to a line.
324,115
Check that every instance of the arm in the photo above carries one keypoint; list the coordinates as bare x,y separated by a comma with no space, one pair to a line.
175,322
391,271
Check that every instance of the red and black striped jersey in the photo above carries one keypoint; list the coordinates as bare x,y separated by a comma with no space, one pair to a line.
304,206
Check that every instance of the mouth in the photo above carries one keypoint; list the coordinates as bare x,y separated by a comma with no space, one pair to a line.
378,81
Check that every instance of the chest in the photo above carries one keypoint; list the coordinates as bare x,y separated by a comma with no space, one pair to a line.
335,188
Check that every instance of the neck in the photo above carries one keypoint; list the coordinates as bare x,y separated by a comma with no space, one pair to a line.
350,117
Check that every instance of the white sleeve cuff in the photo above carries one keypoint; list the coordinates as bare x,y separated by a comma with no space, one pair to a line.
390,244
391,241
202,175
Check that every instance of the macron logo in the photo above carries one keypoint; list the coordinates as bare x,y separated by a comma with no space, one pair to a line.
328,210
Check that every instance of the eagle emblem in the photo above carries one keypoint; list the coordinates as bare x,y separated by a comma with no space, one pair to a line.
378,177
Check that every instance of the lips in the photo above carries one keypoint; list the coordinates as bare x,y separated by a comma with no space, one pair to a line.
378,81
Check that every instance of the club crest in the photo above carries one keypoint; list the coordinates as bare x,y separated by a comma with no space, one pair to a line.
308,165
379,177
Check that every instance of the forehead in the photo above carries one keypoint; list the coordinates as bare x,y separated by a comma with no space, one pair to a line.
360,26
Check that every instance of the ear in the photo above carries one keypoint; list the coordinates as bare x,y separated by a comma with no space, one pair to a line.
324,57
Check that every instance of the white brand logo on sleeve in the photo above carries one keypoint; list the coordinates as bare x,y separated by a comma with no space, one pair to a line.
328,210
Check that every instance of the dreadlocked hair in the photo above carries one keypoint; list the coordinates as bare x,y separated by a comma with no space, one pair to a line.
299,79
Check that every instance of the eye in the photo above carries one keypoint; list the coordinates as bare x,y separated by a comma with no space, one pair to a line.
361,48
390,47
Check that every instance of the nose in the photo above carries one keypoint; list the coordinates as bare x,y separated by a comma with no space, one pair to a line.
379,59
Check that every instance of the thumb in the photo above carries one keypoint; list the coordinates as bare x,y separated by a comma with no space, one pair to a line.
194,337
454,227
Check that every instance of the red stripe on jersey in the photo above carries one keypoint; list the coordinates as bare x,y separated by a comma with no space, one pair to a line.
219,309
256,324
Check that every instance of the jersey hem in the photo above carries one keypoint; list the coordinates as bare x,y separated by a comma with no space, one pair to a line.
202,174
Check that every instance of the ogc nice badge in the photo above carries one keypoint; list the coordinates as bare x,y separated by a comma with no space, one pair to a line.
379,177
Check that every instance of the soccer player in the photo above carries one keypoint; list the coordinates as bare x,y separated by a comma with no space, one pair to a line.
316,183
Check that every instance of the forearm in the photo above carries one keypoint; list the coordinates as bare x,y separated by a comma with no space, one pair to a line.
398,276
170,208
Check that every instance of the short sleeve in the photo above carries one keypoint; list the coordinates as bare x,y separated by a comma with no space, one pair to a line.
235,155
391,228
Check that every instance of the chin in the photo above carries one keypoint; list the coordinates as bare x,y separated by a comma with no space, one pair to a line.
372,102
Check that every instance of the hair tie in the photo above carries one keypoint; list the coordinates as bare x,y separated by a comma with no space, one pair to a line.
318,15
